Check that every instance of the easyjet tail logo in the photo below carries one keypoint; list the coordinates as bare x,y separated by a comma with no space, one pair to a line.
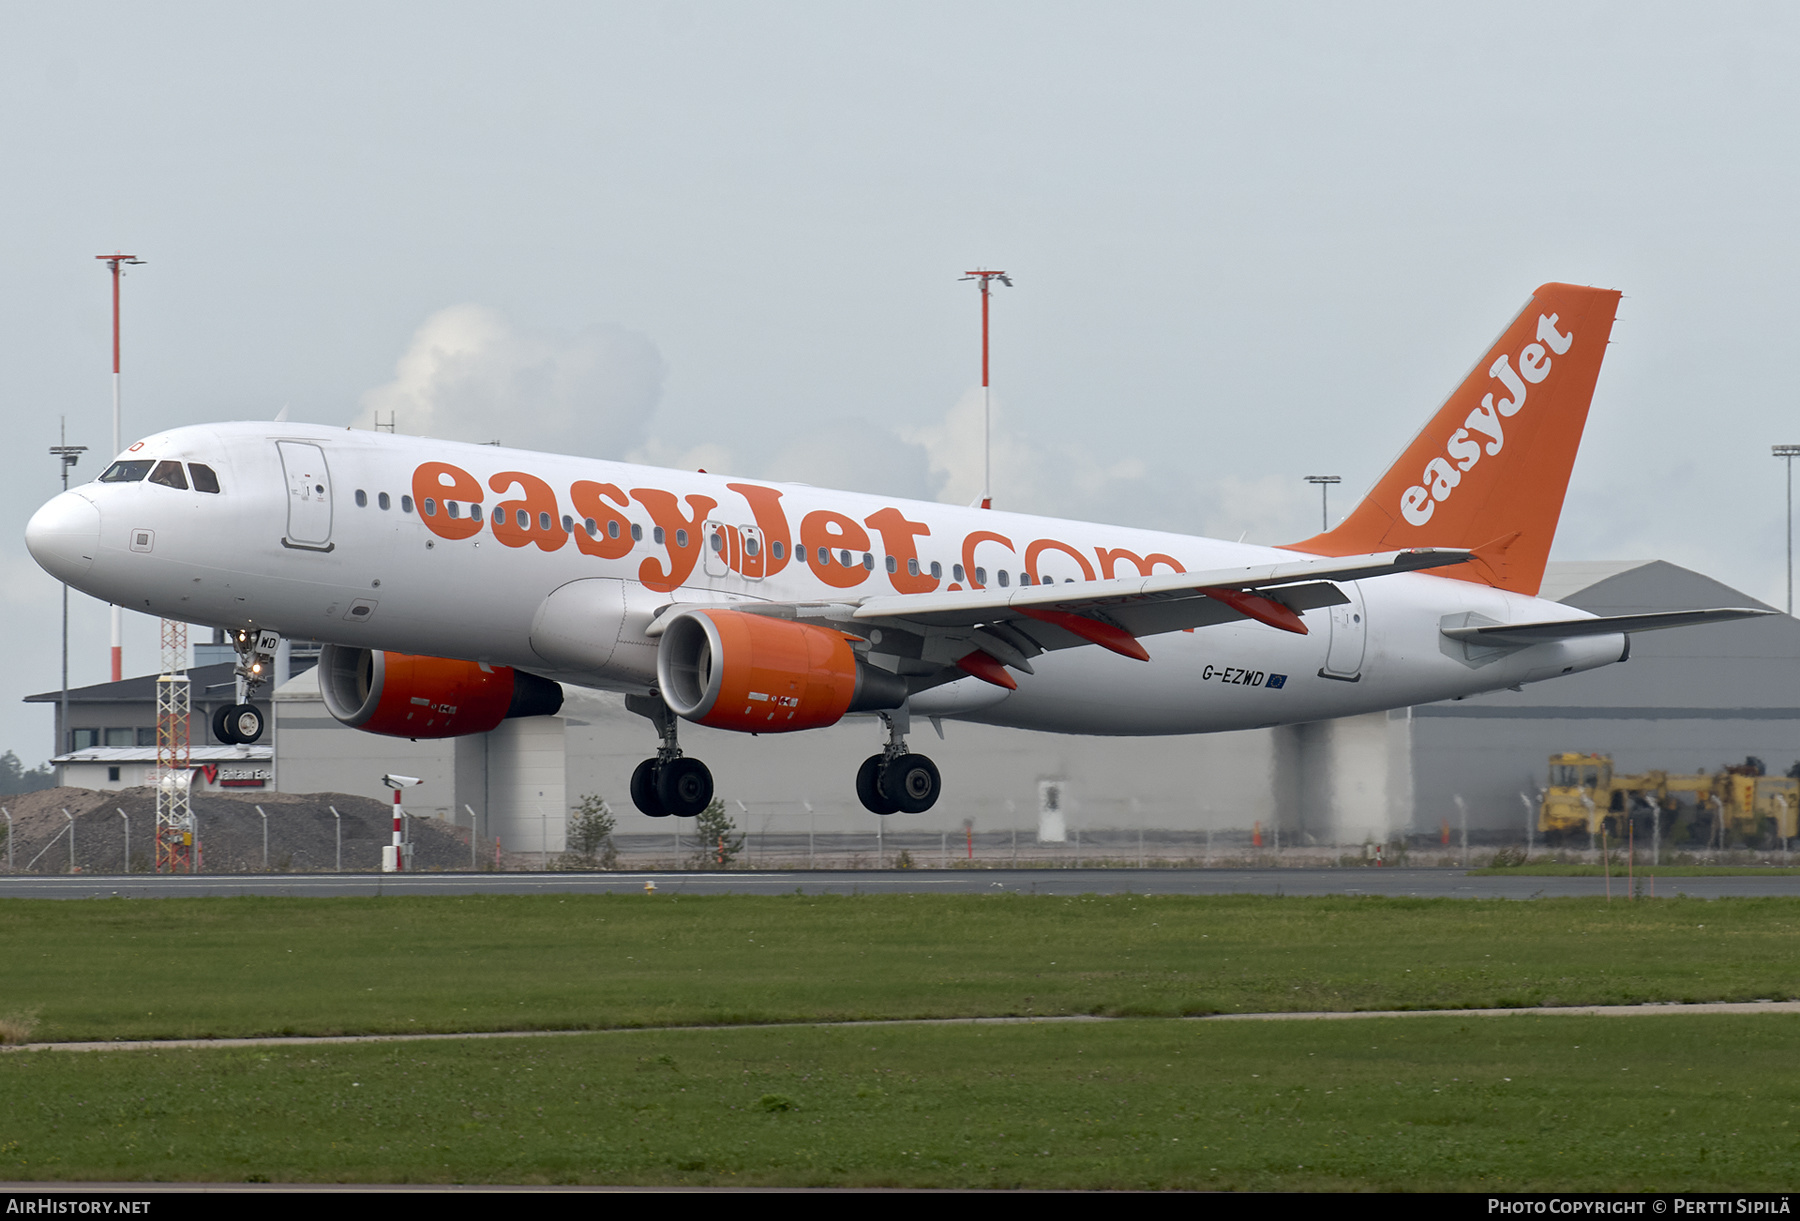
1484,431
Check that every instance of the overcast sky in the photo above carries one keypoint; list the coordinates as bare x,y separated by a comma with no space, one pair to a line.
1250,243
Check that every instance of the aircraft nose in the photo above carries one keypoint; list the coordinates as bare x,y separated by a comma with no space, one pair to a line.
64,536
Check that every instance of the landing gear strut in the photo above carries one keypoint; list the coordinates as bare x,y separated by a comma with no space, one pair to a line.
896,780
242,723
671,783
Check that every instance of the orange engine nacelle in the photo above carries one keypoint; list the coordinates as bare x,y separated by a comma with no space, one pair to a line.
405,696
756,674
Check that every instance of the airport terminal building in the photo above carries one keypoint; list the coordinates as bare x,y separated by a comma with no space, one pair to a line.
1687,699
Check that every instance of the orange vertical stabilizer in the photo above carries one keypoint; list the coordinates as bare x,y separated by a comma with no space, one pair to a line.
1489,471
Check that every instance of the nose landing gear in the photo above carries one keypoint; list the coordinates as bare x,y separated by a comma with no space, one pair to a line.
896,780
241,723
237,724
671,784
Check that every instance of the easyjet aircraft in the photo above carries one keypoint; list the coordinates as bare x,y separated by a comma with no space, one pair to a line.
455,585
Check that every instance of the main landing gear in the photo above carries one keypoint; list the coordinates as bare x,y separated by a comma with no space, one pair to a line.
896,780
671,783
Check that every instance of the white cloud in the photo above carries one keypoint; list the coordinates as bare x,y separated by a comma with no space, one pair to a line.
858,457
470,375
1078,479
706,456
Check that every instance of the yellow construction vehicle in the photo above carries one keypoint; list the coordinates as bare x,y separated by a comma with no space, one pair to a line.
1736,804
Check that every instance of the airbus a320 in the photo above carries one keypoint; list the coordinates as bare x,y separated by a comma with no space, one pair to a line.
455,585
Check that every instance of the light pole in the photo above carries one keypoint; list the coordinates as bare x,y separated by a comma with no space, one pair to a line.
1324,482
1788,453
984,278
68,455
115,261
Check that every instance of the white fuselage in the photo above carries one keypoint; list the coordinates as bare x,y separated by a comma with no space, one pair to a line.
301,545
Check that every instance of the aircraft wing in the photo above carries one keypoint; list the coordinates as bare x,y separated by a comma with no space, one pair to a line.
1564,629
1148,605
922,634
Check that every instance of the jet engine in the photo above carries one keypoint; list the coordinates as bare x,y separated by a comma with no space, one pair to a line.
405,696
758,674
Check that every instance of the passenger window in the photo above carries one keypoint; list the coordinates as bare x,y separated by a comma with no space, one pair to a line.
868,561
716,541
204,478
612,527
450,507
912,567
1024,578
956,572
1005,578
568,524
937,571
169,475
475,512
655,537
543,521
844,558
593,527
382,501
127,472
430,507
681,539
406,504
776,549
981,576
362,498
751,546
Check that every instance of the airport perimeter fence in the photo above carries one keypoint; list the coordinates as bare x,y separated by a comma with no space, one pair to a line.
248,838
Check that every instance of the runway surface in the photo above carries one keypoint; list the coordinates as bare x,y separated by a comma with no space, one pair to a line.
1414,883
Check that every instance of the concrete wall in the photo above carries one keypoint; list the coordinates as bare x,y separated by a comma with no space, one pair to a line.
527,786
315,754
1345,781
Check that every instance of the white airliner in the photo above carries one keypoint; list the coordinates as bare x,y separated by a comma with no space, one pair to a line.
452,583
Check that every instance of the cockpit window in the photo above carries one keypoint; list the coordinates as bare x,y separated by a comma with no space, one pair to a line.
127,472
204,478
169,475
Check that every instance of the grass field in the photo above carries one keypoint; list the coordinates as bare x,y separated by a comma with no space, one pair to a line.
243,966
1692,1101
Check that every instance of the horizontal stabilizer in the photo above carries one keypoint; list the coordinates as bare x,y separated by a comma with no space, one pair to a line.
1564,629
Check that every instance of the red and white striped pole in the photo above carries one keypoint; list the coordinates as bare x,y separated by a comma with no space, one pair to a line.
118,442
982,279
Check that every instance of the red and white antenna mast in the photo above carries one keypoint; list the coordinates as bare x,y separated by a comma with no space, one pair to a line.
984,279
118,664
